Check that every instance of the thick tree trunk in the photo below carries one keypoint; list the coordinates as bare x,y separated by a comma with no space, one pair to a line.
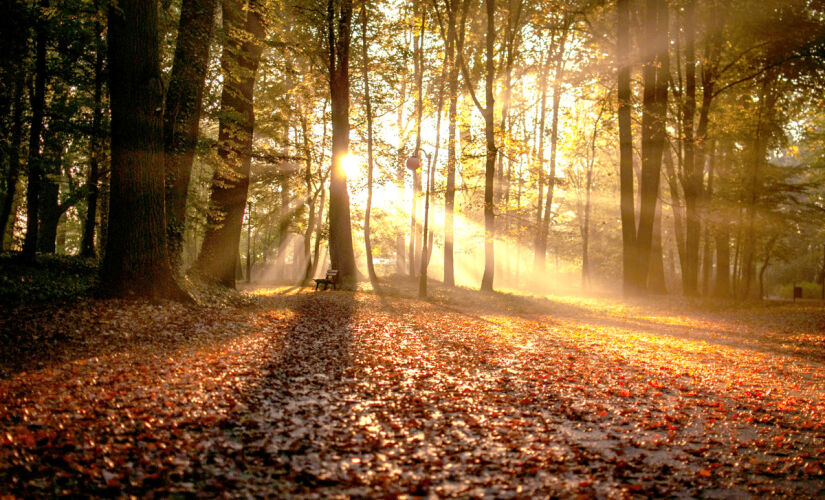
230,184
136,260
340,232
33,186
182,112
628,210
87,244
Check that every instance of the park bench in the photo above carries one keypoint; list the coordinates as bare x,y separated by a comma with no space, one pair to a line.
330,279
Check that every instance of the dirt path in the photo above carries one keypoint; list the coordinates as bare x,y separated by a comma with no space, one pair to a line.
325,394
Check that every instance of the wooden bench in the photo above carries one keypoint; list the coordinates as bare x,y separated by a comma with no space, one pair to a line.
330,279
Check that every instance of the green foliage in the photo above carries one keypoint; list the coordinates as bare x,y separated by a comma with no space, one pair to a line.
809,290
53,278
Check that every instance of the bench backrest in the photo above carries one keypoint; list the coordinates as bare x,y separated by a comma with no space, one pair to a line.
332,274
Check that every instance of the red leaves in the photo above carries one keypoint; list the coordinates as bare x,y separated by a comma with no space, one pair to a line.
347,395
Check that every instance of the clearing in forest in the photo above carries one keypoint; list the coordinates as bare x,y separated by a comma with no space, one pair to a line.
308,394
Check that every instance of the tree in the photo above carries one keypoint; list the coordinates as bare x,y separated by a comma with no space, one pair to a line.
628,211
487,111
38,105
338,24
136,260
368,111
244,31
183,109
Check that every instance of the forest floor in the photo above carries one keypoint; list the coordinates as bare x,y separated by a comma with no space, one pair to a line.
325,394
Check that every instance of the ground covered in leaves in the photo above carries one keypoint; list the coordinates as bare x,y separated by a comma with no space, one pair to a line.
306,394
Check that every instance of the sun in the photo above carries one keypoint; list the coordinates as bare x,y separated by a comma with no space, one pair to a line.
351,164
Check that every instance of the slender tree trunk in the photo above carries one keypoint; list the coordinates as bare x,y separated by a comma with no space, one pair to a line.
183,110
368,104
676,209
13,157
656,279
49,199
33,186
692,180
490,139
767,101
242,52
340,232
707,261
318,231
87,245
628,211
415,227
655,75
136,260
544,230
721,286
310,199
449,195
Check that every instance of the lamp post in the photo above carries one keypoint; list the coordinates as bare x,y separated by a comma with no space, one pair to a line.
413,164
422,278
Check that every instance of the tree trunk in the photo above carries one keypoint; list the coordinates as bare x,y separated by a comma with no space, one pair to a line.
87,244
368,104
676,209
628,210
692,179
13,157
182,112
655,75
230,184
49,198
721,286
454,45
136,260
340,232
544,230
759,150
33,186
416,240
490,139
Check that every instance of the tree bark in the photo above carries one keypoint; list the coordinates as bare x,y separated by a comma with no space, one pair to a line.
692,179
340,232
33,186
182,112
13,157
454,46
87,244
628,210
544,230
655,76
368,104
230,184
136,260
490,139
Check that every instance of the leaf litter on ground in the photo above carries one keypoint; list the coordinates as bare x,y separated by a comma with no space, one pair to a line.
307,394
